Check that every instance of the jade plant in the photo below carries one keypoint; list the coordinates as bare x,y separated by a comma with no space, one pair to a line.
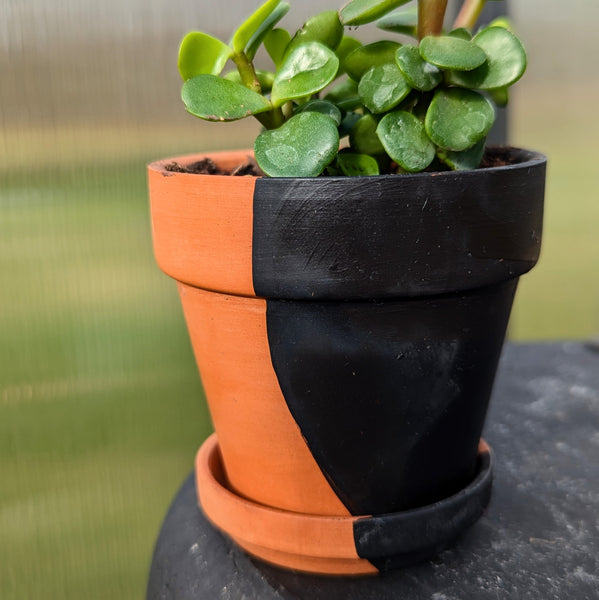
424,99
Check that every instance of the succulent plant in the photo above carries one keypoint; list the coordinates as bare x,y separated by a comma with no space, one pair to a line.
330,104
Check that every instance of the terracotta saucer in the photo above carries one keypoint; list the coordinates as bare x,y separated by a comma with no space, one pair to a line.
355,545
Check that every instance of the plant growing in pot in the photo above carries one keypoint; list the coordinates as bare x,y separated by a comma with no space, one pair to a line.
347,304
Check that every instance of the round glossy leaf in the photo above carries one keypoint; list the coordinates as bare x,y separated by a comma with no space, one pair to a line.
452,53
252,24
462,33
346,47
345,95
383,88
352,164
362,59
216,99
301,147
307,69
265,28
405,141
457,119
465,160
505,64
401,21
363,137
360,12
421,75
324,28
275,42
201,54
324,107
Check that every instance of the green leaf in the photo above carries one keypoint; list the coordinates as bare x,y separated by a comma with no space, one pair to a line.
201,54
307,69
453,53
363,137
502,22
421,75
360,12
500,96
352,164
301,147
403,21
346,47
265,28
276,42
506,61
465,160
364,58
383,88
404,138
216,99
345,95
324,107
462,33
265,78
252,24
348,121
457,118
324,28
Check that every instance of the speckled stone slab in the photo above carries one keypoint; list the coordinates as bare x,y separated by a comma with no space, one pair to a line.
538,540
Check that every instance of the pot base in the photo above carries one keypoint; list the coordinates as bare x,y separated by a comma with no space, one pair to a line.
344,545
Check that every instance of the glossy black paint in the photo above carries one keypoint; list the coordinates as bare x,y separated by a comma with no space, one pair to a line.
388,236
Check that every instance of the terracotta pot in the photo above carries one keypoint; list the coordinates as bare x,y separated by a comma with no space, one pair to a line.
347,332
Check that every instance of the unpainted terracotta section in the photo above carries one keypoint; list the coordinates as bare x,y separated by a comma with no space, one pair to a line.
202,225
299,541
310,564
265,456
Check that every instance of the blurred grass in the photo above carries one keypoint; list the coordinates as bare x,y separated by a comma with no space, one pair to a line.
559,299
101,406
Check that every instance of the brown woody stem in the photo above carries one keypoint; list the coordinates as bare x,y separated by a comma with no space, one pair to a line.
430,17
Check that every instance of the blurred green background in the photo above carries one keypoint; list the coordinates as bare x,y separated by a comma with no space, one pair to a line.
101,407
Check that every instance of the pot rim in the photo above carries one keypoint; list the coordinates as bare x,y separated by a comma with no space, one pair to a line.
525,158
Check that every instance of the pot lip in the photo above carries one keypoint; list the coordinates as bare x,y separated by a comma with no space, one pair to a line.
525,159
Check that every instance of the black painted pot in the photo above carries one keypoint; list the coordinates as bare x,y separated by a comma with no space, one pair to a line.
367,322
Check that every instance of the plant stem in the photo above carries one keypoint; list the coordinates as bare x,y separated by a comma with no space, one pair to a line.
247,72
430,17
469,14
271,119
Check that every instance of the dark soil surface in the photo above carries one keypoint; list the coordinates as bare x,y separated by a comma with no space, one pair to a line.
207,166
497,156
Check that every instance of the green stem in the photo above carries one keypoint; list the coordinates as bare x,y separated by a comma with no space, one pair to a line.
247,72
430,17
469,14
271,119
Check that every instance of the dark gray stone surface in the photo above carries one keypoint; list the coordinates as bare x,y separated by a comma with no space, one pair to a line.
539,538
